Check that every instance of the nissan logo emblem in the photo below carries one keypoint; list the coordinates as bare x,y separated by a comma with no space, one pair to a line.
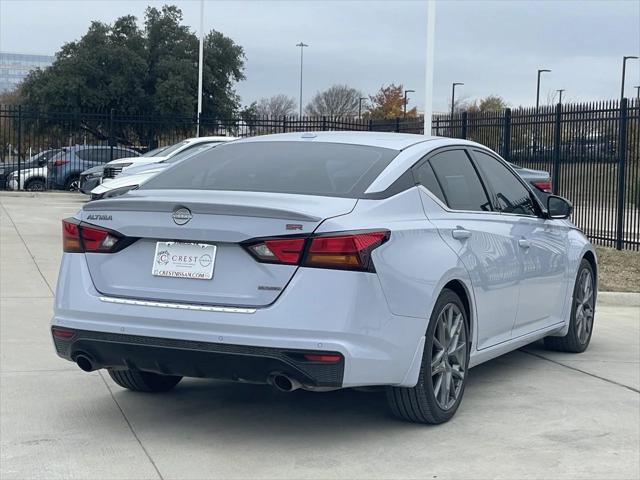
181,216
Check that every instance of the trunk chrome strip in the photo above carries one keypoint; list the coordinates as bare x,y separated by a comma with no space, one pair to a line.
177,306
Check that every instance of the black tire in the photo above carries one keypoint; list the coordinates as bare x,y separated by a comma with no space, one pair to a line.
419,404
73,183
576,340
138,381
36,185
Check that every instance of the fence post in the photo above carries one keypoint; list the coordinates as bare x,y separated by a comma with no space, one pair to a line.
622,159
506,135
437,127
284,124
397,129
463,133
370,122
324,123
111,134
557,140
19,143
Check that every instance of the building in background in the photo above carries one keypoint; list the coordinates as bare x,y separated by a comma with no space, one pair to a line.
14,67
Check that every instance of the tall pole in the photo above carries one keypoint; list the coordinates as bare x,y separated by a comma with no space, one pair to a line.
453,96
428,75
200,62
360,107
538,89
624,66
301,45
404,106
637,87
560,92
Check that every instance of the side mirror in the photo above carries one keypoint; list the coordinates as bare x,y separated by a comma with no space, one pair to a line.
558,207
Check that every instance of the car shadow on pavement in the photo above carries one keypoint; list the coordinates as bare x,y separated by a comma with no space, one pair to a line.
198,408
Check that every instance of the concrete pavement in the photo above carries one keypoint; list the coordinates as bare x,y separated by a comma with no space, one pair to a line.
529,414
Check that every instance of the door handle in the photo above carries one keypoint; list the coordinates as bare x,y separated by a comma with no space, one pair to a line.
460,234
524,243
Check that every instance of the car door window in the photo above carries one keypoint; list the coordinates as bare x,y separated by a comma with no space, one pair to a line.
511,195
424,176
459,181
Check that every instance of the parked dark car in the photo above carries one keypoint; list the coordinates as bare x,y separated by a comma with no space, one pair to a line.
90,179
37,160
65,168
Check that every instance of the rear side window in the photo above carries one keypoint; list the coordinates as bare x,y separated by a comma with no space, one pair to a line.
459,180
511,195
425,176
306,168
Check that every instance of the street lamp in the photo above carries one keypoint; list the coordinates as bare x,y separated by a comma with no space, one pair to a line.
560,92
637,87
301,45
538,88
453,96
624,66
360,107
404,114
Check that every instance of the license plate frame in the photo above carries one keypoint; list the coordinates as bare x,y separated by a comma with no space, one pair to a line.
188,260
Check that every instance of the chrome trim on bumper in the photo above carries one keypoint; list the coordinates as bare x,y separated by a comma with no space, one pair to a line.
177,306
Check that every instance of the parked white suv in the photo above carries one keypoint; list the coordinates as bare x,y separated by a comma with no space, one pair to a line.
115,167
31,179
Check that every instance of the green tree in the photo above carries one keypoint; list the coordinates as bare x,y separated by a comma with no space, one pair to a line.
153,70
389,103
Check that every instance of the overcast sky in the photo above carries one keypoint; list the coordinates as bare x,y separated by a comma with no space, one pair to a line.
494,47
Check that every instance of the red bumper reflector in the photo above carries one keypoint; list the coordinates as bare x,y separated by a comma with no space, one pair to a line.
63,333
322,357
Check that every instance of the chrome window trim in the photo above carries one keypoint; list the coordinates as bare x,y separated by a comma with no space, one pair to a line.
177,306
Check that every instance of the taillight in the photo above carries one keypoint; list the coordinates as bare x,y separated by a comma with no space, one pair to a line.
351,251
545,186
278,250
322,357
60,162
344,250
78,237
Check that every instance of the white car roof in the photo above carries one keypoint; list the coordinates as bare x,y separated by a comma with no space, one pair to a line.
210,139
395,141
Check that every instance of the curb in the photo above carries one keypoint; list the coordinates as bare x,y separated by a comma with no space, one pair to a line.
619,299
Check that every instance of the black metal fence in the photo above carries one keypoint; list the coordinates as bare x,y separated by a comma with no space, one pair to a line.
591,150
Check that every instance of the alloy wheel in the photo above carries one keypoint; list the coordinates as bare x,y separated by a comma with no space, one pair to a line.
584,306
449,356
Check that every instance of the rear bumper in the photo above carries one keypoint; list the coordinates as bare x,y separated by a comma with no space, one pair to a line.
320,310
198,359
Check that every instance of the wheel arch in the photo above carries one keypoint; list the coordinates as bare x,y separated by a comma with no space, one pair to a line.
460,289
590,257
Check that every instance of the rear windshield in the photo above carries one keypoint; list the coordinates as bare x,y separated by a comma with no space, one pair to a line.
327,169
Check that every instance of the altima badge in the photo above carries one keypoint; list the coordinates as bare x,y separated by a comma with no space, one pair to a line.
181,216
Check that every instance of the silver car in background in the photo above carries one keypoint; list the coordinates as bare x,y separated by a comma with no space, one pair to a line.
322,261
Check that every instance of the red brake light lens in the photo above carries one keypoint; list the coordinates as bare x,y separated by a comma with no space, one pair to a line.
71,236
62,333
323,357
78,238
544,186
60,162
279,250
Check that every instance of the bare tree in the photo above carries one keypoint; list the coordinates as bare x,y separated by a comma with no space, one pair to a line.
276,106
336,101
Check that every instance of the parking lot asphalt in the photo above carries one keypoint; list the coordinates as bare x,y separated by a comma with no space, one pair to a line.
529,414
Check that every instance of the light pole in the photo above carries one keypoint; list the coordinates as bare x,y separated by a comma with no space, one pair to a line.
637,87
538,88
560,92
624,66
453,96
404,107
200,66
360,107
429,63
301,45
